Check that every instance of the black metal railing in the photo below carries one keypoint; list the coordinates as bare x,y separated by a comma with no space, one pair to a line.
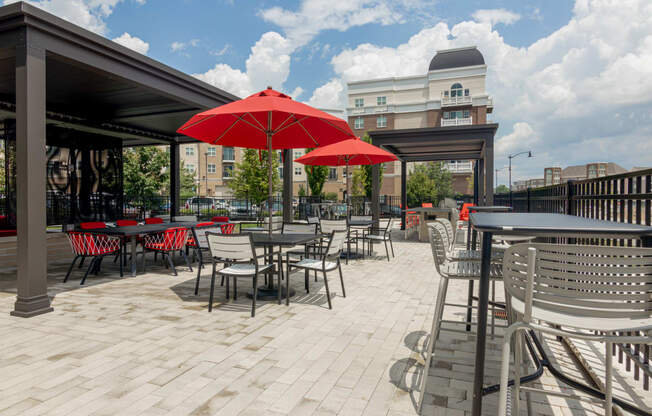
625,198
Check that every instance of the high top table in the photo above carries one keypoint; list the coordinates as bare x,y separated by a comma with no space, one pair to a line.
538,225
423,211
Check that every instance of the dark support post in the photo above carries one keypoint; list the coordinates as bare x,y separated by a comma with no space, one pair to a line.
481,189
375,194
288,173
32,297
570,189
470,243
403,194
175,179
489,168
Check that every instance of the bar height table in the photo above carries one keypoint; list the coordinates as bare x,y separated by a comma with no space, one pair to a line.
539,225
423,211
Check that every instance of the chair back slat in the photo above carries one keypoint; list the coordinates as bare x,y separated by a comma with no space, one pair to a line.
586,281
299,228
436,236
199,233
171,239
89,244
328,226
360,217
449,229
238,247
336,243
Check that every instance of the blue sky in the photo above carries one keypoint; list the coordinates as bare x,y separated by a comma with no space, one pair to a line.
571,80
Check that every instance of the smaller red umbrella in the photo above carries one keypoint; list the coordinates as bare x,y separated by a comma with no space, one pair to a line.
344,153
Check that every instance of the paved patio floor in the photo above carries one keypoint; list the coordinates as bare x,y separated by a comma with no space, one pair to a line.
148,346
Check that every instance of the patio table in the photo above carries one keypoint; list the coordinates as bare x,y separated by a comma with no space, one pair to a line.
538,225
132,231
268,241
360,224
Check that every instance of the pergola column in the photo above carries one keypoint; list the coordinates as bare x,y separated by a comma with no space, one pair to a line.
32,298
175,179
403,194
288,174
481,175
489,168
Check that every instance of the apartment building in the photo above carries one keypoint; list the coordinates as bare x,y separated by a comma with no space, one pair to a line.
213,166
451,93
556,175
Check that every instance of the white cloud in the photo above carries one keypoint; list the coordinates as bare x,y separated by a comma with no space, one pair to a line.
132,42
581,94
89,14
178,46
296,93
495,16
229,79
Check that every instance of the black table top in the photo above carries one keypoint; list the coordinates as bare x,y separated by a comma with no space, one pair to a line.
490,208
554,225
131,230
278,239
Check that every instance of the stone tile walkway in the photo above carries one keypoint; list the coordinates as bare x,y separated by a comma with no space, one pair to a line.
148,346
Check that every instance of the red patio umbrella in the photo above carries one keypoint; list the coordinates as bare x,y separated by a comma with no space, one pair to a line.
344,153
267,120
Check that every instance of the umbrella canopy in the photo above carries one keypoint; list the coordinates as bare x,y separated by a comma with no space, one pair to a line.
344,153
267,120
347,152
247,122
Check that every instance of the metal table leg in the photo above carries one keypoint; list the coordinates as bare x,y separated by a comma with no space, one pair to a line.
133,255
470,245
483,307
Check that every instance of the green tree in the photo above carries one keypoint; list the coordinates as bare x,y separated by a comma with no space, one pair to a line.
187,183
316,177
428,182
250,178
145,171
501,189
367,173
357,182
302,191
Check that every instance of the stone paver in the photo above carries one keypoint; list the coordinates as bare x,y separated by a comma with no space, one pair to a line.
148,346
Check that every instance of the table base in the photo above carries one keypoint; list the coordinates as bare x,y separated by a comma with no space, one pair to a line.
267,293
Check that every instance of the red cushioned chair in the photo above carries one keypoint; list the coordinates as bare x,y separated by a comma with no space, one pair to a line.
426,205
464,213
166,243
88,244
220,219
227,228
154,220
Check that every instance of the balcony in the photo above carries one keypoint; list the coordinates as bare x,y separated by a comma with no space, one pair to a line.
453,101
358,110
464,121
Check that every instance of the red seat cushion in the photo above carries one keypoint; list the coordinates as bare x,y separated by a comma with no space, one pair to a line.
153,220
92,224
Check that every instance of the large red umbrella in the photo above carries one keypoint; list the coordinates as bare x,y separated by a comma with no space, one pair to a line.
267,120
344,153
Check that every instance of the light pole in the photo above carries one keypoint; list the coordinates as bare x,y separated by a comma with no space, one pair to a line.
206,177
510,157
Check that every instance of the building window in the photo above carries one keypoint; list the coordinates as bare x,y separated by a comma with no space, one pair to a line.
381,121
466,114
211,151
297,171
227,171
449,115
358,123
228,153
446,94
190,151
211,168
466,92
381,100
298,153
190,167
332,174
359,102
456,90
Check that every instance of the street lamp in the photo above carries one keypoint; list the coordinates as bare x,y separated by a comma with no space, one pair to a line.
206,177
510,157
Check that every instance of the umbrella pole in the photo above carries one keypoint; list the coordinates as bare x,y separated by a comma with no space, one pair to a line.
348,191
269,169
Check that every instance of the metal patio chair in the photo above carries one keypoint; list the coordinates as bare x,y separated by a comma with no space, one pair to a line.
166,243
199,244
239,249
448,270
88,244
325,262
378,234
585,292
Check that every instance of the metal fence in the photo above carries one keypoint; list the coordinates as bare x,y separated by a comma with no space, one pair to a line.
623,198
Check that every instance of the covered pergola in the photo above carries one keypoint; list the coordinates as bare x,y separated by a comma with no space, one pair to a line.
430,144
63,86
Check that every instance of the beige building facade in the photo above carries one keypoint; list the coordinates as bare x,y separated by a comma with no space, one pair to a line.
451,93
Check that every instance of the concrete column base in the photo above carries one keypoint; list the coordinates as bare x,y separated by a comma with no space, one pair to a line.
28,307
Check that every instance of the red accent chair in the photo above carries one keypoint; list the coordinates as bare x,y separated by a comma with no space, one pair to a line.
220,219
154,220
91,225
464,213
166,242
88,244
227,228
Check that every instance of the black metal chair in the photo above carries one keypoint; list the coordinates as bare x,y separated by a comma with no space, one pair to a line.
378,234
199,244
325,262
